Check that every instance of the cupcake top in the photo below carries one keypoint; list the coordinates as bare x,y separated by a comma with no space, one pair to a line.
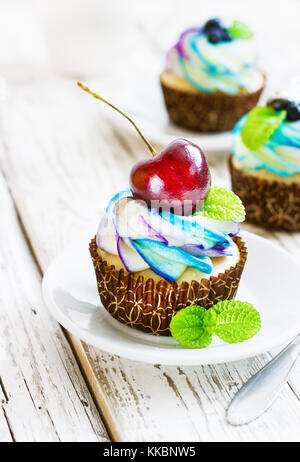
269,137
214,58
171,218
168,243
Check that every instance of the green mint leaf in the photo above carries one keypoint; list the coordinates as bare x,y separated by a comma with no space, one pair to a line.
223,204
240,30
193,326
236,321
260,125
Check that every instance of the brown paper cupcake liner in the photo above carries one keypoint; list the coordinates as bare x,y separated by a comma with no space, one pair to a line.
270,204
149,306
207,112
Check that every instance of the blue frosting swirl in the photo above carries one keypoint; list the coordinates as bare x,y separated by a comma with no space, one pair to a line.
164,242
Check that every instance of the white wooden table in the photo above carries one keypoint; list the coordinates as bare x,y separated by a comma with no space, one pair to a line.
60,162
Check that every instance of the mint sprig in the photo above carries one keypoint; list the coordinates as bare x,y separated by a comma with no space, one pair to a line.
236,321
222,204
260,125
240,30
192,327
231,320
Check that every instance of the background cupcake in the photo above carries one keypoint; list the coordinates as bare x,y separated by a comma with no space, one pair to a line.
210,80
265,165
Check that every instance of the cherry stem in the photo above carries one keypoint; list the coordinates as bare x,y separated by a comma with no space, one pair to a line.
95,95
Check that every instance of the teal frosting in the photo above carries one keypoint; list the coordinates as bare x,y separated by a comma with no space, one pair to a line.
280,154
225,66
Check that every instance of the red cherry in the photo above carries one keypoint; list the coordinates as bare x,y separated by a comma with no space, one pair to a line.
179,173
178,177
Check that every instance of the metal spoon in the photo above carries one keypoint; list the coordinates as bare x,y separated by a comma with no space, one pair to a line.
259,393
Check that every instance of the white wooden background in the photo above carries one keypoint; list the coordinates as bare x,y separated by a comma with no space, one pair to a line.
61,159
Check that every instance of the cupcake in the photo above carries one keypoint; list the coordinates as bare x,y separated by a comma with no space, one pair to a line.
151,262
265,164
169,241
210,80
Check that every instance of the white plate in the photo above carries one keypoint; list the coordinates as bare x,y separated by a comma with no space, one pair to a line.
270,281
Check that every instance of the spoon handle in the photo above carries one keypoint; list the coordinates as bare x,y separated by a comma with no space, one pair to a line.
257,395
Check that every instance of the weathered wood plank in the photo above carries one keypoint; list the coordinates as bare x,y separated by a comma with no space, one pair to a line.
5,432
61,176
42,393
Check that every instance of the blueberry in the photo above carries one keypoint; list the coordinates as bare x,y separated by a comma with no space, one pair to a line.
212,23
225,36
278,103
215,35
293,111
216,31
